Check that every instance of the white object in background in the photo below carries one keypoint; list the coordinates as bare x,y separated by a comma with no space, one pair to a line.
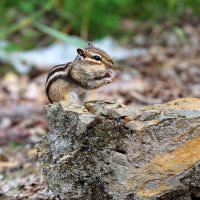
59,53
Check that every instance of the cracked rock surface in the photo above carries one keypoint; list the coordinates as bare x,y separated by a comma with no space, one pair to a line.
105,151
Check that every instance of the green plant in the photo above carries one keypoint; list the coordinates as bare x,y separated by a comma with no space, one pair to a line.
89,19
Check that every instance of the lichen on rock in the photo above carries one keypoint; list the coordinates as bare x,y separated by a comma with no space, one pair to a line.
105,150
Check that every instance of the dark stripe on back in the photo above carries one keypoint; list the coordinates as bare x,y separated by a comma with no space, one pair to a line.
60,76
67,64
61,68
57,66
52,71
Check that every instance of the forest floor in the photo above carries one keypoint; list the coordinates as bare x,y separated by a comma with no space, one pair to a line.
170,70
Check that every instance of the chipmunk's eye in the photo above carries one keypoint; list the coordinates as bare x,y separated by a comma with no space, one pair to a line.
97,58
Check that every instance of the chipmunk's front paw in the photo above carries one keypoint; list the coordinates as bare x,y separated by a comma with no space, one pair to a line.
108,80
109,77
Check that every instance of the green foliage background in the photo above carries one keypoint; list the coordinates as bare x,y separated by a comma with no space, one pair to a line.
21,21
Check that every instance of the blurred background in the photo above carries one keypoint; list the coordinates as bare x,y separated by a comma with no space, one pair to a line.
155,46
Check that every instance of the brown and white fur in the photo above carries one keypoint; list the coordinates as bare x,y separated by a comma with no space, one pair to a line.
69,82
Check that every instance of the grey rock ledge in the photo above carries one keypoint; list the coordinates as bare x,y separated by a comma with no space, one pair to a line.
105,151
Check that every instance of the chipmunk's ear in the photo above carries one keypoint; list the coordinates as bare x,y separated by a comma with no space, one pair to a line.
81,52
90,45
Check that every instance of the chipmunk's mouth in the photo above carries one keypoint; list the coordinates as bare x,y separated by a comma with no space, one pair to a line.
106,75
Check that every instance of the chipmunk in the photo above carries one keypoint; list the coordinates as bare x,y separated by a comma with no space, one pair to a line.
69,82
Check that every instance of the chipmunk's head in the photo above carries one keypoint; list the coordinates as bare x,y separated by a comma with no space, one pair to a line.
93,67
95,56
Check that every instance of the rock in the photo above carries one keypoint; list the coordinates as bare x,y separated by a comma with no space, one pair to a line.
105,151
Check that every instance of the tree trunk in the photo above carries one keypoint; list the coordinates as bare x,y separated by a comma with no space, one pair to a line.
105,151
